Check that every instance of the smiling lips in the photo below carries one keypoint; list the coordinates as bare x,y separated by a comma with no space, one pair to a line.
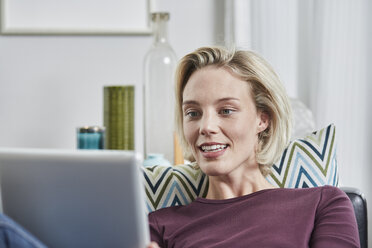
212,150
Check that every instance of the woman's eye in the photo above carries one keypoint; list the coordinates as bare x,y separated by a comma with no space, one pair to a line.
192,114
226,111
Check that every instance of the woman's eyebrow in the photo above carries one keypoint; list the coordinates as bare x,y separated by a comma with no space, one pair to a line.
190,102
225,99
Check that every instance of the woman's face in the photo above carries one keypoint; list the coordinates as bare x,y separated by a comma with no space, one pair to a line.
220,121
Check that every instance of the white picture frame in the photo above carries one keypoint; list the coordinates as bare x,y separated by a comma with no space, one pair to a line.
75,17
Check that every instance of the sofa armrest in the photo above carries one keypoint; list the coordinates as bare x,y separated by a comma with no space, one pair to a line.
360,208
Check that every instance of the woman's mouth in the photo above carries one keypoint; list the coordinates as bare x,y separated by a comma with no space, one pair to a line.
213,150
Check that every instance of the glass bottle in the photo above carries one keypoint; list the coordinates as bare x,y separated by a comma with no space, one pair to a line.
159,67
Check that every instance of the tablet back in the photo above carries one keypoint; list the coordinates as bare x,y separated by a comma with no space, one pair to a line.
75,198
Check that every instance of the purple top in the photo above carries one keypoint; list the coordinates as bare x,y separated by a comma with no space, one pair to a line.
313,217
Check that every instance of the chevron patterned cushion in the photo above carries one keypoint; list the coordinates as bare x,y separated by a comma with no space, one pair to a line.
307,162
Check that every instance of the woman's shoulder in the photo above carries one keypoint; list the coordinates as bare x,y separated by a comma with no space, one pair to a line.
320,194
318,189
321,191
333,196
322,199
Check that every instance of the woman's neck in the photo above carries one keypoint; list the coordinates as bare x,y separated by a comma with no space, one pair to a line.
236,184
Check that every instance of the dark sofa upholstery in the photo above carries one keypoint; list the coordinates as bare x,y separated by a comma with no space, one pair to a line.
360,208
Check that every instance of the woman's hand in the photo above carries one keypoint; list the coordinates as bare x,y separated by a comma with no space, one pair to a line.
153,245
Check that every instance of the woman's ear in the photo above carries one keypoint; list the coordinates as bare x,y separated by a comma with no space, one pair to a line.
264,121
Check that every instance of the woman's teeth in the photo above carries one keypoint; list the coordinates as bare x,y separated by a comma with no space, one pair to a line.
213,148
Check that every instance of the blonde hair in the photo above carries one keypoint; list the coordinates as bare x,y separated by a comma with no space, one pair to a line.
266,89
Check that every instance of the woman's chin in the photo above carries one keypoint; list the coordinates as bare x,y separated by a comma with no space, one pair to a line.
213,169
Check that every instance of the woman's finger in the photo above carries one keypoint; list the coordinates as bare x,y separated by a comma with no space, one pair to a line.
153,245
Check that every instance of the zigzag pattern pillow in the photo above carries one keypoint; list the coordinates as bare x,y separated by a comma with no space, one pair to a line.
307,162
173,185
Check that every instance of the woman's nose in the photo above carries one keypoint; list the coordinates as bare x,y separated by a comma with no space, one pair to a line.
208,124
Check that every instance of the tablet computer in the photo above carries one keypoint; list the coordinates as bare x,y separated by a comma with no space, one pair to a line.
75,198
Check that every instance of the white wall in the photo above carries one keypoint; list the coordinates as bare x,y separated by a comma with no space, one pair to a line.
49,85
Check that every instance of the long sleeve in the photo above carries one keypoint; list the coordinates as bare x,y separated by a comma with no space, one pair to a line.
335,224
155,233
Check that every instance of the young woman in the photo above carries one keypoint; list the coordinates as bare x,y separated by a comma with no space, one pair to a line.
234,121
